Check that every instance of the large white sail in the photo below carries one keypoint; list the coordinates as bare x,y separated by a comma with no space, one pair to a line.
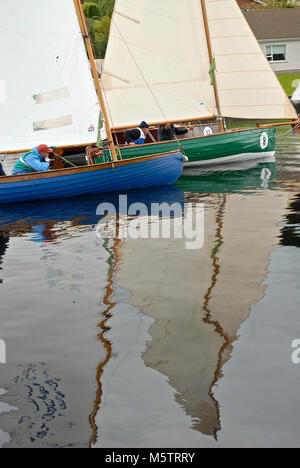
247,85
156,66
47,93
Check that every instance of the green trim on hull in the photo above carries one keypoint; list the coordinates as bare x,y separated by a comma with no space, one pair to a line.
213,147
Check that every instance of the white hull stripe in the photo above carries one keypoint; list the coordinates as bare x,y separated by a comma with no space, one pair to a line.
236,157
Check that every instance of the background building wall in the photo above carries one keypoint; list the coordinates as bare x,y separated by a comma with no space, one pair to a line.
293,54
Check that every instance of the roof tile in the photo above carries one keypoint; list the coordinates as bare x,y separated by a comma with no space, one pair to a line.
275,24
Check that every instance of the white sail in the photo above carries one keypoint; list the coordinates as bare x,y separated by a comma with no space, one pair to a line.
296,95
247,85
156,66
47,93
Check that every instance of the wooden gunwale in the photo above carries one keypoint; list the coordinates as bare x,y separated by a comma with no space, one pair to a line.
81,169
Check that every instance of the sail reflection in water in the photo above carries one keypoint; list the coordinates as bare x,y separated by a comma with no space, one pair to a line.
183,313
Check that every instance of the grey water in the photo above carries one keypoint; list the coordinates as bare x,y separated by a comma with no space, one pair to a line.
144,343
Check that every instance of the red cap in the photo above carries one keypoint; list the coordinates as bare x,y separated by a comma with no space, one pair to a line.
44,148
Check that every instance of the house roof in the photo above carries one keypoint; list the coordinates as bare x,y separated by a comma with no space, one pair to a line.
275,24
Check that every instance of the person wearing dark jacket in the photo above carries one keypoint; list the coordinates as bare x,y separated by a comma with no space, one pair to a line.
2,173
169,131
137,136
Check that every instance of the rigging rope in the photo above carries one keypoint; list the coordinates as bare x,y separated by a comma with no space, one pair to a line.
291,130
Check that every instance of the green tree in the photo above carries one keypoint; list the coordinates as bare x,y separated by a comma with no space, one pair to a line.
91,10
106,7
101,33
98,15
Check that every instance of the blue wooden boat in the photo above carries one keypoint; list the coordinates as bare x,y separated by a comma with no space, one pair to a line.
142,172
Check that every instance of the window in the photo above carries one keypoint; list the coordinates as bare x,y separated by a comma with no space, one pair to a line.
276,53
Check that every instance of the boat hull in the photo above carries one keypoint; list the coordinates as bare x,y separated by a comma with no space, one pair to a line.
151,171
216,149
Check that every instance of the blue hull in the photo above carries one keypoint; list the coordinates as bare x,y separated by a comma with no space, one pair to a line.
126,175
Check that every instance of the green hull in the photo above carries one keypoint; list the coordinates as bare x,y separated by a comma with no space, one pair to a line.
214,148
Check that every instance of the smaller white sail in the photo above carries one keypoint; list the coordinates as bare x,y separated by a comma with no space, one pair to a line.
296,95
247,85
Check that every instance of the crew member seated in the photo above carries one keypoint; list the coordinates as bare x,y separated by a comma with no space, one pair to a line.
2,173
137,136
36,160
169,132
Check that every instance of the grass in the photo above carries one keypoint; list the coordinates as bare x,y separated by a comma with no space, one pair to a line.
289,81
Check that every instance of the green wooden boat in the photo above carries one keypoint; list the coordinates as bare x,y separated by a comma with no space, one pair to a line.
214,149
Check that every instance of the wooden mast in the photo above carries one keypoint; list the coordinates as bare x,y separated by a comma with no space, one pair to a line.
211,58
86,36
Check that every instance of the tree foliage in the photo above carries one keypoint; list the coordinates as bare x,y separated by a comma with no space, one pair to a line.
273,5
279,4
91,10
98,14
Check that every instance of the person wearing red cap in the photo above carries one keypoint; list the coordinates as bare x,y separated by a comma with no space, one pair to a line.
36,160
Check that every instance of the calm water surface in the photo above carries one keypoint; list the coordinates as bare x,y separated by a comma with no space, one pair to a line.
143,343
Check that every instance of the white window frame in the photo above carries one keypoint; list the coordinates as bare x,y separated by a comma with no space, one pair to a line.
272,54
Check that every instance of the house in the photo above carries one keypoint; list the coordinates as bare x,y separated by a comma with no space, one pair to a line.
278,32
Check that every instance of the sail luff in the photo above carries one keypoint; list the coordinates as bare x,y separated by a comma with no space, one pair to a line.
86,35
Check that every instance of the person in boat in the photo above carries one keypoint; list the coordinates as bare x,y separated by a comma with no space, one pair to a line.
2,173
37,160
169,132
137,136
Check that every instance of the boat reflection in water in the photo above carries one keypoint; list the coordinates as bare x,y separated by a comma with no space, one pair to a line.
183,314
